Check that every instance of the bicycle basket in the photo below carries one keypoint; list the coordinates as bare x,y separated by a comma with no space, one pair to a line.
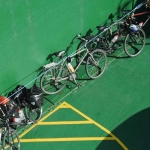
35,97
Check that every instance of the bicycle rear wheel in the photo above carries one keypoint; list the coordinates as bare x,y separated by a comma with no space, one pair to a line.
11,140
96,63
55,79
33,114
134,43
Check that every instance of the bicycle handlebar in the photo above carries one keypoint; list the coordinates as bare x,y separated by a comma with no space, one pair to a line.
81,38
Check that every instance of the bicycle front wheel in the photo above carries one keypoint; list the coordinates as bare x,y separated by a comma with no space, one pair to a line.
134,43
33,114
96,63
11,140
54,80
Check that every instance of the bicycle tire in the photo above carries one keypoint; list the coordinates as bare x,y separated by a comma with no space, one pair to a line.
96,63
53,81
11,140
134,43
33,114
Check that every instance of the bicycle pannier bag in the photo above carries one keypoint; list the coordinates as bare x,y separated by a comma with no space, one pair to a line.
35,96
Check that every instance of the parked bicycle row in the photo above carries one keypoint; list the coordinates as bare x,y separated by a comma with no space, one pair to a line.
23,106
92,51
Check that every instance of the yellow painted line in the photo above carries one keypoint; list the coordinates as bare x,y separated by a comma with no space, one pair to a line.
33,126
58,107
64,122
97,124
64,106
67,139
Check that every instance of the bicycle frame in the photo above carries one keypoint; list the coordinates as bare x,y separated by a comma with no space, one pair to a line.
64,60
143,13
6,126
78,52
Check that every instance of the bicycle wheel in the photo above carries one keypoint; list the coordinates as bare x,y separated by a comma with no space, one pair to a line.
11,141
96,63
134,43
33,114
55,79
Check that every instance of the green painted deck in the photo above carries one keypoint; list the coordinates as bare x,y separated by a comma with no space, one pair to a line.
109,113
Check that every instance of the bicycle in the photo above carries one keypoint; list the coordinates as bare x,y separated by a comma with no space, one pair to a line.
135,37
58,73
28,100
23,107
109,40
134,16
8,136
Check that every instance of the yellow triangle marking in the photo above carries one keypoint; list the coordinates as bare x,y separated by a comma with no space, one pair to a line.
89,121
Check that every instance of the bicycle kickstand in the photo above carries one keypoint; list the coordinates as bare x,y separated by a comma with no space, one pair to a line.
74,80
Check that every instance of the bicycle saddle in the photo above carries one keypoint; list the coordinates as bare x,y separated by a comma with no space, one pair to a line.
59,54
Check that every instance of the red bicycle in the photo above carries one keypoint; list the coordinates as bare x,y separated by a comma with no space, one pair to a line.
135,16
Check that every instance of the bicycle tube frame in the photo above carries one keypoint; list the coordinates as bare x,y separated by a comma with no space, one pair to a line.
61,69
64,62
87,51
143,13
140,14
